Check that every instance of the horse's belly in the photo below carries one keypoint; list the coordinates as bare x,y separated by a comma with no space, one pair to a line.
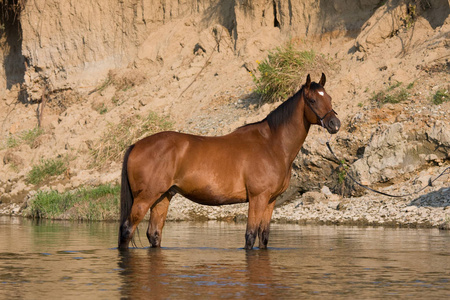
212,186
208,196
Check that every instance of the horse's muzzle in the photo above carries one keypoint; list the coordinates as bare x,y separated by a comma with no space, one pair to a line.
333,125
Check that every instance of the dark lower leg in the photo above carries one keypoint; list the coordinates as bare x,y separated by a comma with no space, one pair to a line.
154,238
125,234
264,227
250,238
263,237
127,229
157,219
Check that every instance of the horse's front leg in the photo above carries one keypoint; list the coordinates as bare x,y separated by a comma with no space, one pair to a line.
256,208
158,216
264,227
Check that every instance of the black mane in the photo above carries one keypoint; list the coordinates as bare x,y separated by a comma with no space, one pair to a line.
283,113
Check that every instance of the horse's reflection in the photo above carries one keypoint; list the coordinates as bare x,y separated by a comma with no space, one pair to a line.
140,270
168,273
259,268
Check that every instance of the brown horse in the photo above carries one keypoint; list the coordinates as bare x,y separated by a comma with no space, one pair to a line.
252,164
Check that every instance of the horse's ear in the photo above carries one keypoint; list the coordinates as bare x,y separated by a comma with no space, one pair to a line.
308,81
323,79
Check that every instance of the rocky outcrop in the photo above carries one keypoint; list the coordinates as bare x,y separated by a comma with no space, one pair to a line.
396,149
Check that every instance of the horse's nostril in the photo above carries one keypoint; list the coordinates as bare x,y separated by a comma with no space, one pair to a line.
334,124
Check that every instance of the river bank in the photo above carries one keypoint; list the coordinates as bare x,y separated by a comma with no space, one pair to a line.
431,208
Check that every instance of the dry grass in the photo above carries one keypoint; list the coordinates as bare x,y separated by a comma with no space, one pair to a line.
122,79
285,70
118,137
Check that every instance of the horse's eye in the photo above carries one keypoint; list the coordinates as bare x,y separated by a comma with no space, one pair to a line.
312,100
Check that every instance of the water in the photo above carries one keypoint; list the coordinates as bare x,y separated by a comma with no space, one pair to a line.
68,260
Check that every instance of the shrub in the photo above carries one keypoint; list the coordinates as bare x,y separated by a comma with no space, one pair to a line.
284,70
441,96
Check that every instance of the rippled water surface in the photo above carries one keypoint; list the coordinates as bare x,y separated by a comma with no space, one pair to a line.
69,260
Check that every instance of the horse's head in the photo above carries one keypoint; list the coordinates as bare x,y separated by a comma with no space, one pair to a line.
318,108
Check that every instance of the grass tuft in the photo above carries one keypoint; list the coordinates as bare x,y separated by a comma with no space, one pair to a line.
122,79
440,97
28,137
284,70
45,169
392,95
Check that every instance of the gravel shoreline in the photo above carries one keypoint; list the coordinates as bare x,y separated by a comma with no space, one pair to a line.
431,209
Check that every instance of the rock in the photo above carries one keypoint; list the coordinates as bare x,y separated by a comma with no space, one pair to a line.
313,197
18,188
386,20
326,191
11,157
334,205
60,188
409,209
334,197
398,149
440,134
16,209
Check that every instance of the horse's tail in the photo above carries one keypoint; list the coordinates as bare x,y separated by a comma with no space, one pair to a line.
126,196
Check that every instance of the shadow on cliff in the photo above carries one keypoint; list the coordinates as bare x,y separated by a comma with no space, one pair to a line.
11,30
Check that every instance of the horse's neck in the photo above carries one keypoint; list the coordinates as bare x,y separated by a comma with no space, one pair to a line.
292,134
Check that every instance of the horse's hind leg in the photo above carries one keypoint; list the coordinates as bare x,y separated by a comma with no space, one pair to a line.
140,207
158,216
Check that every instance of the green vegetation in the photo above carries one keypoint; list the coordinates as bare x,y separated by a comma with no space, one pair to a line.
45,169
12,141
284,70
342,174
411,17
393,94
102,109
107,82
118,137
93,204
28,137
441,96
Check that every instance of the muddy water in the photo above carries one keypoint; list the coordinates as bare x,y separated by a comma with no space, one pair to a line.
205,260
